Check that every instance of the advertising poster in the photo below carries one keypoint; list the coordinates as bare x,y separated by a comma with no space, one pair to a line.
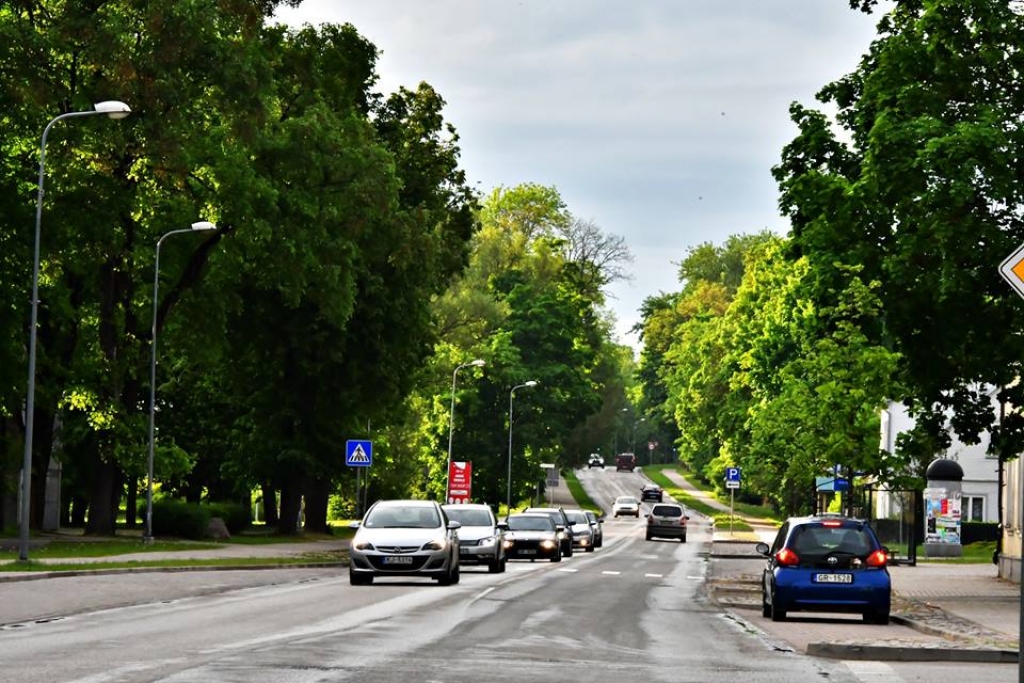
460,482
942,516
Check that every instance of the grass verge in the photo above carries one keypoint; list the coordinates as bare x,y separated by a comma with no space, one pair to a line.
578,494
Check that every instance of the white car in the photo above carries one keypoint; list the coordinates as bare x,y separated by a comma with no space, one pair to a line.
480,539
627,506
404,538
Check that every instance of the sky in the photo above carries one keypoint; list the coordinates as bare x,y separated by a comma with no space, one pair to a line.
657,120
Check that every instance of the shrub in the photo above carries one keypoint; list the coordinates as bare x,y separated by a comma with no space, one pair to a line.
235,515
179,518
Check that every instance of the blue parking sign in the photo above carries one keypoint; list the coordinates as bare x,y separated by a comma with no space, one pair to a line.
358,453
732,473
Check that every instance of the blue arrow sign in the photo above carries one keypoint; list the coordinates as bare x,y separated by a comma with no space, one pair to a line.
732,473
358,453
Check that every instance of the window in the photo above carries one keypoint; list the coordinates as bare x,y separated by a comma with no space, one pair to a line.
972,508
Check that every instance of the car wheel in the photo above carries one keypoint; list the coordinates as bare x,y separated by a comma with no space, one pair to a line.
496,566
778,613
568,552
766,609
356,579
456,574
557,557
682,539
648,536
590,548
637,515
877,617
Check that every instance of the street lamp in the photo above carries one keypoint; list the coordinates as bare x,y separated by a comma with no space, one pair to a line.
115,110
451,426
531,383
198,226
632,437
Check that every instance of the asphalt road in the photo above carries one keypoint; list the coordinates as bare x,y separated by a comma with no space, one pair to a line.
633,610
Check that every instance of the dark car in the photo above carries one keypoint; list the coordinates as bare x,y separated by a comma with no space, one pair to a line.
651,492
562,523
531,536
826,564
582,531
667,520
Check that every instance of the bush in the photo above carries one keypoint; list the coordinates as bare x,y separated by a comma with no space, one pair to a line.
978,532
235,515
180,519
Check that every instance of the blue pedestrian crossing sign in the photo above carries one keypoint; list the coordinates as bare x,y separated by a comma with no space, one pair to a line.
358,453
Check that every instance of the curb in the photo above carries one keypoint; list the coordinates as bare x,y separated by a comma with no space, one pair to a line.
911,654
36,576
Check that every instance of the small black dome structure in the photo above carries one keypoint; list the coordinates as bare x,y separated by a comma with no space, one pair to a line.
944,469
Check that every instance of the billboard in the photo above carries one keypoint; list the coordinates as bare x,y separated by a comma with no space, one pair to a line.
460,482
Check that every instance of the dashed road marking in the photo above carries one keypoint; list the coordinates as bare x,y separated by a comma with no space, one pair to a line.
569,571
611,573
654,576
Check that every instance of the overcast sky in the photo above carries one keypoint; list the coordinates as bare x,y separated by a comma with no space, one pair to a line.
658,120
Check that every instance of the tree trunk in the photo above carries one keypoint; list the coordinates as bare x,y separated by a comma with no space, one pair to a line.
270,505
132,503
317,493
102,507
291,501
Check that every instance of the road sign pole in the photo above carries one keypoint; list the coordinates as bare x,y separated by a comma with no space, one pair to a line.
732,503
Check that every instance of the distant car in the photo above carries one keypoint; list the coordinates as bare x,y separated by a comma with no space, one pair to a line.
597,524
667,520
595,461
625,462
404,538
651,492
562,523
531,536
627,506
480,539
582,532
826,564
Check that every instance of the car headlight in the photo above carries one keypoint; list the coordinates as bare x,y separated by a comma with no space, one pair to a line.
561,534
363,545
486,542
547,544
436,544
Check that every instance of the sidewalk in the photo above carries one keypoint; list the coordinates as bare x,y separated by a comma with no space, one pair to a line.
955,612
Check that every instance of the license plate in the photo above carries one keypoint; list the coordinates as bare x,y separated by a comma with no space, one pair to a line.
833,578
527,552
398,560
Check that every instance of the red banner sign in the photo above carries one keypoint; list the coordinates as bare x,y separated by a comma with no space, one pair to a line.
460,482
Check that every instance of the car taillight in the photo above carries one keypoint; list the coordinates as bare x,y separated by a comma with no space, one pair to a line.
650,520
787,557
877,559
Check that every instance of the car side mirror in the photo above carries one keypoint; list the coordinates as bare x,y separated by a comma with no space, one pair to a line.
502,525
559,528
762,549
452,526
354,525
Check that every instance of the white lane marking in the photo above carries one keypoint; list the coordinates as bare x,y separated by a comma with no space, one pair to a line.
612,573
482,594
654,576
569,571
872,672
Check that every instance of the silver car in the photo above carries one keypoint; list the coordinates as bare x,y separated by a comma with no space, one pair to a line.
404,538
480,539
582,532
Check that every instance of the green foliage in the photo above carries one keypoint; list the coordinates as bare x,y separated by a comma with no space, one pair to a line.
180,519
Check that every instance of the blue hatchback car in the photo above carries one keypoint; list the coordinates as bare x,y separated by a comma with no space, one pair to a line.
826,564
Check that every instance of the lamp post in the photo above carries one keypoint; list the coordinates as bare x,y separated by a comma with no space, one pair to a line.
451,426
115,110
531,383
632,437
197,226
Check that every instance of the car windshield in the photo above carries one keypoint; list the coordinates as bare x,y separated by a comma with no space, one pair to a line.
470,517
626,500
667,511
398,517
577,516
592,517
537,523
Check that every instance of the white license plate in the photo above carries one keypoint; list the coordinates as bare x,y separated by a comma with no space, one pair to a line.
398,560
833,578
